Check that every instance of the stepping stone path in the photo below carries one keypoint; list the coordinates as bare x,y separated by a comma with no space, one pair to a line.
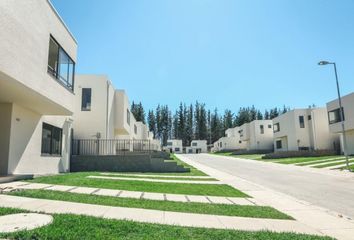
7,187
23,221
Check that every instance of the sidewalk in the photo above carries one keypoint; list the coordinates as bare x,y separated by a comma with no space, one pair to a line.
155,216
321,219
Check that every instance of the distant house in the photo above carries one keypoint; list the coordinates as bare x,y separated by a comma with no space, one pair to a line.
174,146
197,146
230,142
334,120
303,129
257,135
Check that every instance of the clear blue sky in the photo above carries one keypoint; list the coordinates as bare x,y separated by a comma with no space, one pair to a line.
226,53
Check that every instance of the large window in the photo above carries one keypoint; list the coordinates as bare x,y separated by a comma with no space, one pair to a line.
302,121
60,65
278,144
169,143
276,127
334,116
51,140
86,99
194,144
261,127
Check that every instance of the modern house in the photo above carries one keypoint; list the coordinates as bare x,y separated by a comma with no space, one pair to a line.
37,64
174,146
197,146
334,120
257,135
230,142
303,129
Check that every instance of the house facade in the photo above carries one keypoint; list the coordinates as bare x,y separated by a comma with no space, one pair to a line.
303,129
36,88
174,146
334,120
230,142
257,135
197,146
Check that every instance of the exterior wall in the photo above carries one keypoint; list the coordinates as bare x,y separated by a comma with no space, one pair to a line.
315,134
26,27
347,104
250,133
122,127
5,129
100,119
201,146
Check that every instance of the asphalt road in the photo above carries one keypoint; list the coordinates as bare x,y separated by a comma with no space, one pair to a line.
335,193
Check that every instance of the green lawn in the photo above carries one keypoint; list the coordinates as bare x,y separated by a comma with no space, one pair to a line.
68,226
332,164
319,161
244,156
160,177
80,179
202,208
194,171
301,159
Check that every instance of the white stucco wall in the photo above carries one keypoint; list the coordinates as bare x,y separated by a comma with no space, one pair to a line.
251,135
122,127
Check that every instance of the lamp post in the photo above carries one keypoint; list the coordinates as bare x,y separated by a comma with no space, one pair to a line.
322,63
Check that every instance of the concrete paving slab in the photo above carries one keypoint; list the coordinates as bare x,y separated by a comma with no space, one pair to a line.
192,220
12,184
153,196
60,188
35,186
130,194
176,197
107,192
219,200
344,234
240,201
23,221
199,199
156,180
83,190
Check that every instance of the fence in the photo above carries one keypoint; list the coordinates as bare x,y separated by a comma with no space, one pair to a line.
96,147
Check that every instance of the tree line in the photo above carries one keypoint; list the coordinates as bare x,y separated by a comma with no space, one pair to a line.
195,121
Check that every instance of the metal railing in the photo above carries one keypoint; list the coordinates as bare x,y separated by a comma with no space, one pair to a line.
96,147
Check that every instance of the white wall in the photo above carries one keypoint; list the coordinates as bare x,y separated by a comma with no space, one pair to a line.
122,127
201,145
250,133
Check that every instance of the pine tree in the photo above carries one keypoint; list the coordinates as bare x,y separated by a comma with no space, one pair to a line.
152,122
228,119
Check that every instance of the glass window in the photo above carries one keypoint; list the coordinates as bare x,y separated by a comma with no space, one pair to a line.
177,149
128,116
261,128
309,117
135,129
60,65
334,116
86,99
301,121
239,141
278,144
51,140
194,144
269,125
276,127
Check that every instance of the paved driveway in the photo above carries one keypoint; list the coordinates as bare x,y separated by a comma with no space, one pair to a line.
332,191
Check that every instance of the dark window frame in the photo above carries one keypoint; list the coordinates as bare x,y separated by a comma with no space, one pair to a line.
261,128
302,121
85,108
278,144
278,127
339,114
55,74
269,125
194,144
50,151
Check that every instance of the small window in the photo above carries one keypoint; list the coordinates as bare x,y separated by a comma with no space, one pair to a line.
51,140
261,127
334,116
302,121
278,144
128,116
276,127
86,99
269,125
239,141
194,144
135,129
177,149
221,144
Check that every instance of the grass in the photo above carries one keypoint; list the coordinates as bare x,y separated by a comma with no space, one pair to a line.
319,161
194,171
244,156
332,164
159,178
69,226
301,159
201,208
80,179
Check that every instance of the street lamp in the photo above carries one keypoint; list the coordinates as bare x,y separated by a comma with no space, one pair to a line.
322,63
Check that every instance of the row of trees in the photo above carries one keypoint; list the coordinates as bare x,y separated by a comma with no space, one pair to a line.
194,121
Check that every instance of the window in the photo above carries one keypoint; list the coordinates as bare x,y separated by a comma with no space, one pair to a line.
194,144
221,144
278,144
334,116
301,121
239,141
276,127
128,116
241,133
60,65
269,125
177,149
261,128
309,117
86,99
135,129
51,140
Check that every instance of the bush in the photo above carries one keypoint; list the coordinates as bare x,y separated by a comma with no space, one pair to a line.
289,154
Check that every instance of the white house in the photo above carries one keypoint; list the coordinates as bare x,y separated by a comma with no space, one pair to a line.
303,129
231,141
197,146
334,120
257,135
37,63
174,146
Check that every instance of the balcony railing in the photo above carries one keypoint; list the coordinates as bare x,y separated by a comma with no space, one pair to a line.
96,147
